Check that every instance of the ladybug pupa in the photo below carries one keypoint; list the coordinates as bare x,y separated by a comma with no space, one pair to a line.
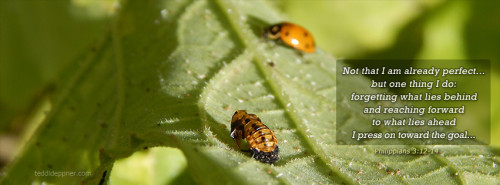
261,140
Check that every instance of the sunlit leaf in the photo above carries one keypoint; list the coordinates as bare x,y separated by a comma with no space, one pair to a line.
172,73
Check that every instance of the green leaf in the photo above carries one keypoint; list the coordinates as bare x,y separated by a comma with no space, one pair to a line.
172,73
159,165
34,48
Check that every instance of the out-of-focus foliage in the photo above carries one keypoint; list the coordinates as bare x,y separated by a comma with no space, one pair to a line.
38,40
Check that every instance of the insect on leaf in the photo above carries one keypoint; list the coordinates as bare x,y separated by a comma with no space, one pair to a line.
172,73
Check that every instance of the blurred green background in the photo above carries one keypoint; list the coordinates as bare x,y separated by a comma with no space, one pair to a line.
39,39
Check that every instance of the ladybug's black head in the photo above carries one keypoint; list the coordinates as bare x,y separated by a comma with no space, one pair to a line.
273,32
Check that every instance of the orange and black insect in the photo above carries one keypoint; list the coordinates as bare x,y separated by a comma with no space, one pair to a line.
293,35
263,144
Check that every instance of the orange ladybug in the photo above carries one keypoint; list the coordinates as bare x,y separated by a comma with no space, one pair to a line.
292,35
263,144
